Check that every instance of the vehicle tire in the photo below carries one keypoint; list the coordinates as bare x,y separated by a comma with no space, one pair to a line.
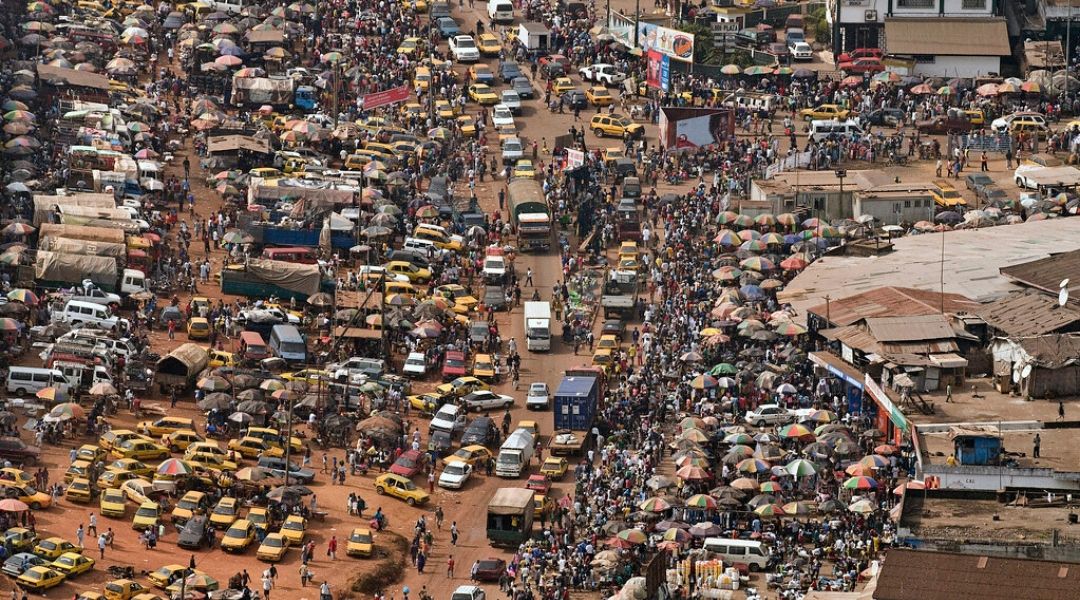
754,568
808,118
35,505
760,424
599,132
508,404
380,490
174,448
20,392
1020,183
410,501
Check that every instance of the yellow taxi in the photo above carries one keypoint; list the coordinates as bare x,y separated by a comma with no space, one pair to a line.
294,529
562,84
25,494
945,195
221,358
422,78
193,502
19,538
165,426
253,447
90,453
210,461
408,46
389,484
259,517
599,96
613,154
238,537
976,116
360,542
225,513
615,125
467,125
524,168
140,450
554,467
461,386
79,490
481,93
474,455
445,109
603,358
411,108
413,272
78,469
489,44
146,516
608,341
127,464
113,503
114,479
206,447
311,376
274,438
273,548
481,72
112,439
40,578
16,475
181,439
138,490
73,563
483,367
164,576
52,548
268,173
824,111
629,248
123,589
458,293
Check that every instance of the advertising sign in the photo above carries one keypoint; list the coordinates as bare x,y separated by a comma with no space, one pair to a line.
665,73
386,97
669,42
689,128
652,68
574,159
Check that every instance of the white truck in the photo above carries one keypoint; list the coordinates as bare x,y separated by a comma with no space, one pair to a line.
515,454
538,326
603,73
464,49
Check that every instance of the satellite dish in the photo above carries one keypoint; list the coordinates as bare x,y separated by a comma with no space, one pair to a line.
1063,296
1016,376
1064,283
1027,371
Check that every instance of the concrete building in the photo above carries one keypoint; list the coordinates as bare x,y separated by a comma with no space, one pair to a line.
820,193
895,204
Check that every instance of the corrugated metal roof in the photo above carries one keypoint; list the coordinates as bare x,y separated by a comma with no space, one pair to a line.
891,301
1052,351
1046,274
956,36
1028,313
910,328
923,575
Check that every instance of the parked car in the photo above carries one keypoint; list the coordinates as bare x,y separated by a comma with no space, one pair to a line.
977,181
415,365
523,87
604,73
883,116
454,475
410,463
489,569
487,400
538,396
509,70
481,432
18,451
768,414
194,535
954,122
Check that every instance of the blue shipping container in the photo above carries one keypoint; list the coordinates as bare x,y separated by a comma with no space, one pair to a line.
575,403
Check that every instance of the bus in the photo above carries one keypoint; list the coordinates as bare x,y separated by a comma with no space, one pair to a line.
287,343
305,256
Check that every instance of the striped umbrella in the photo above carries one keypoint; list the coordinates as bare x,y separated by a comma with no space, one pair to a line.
745,483
703,501
859,470
737,454
772,510
726,218
23,295
743,221
829,233
694,435
789,329
754,246
51,394
213,383
875,461
704,381
730,69
8,324
770,487
67,410
799,508
749,234
821,416
272,385
655,504
862,507
765,219
861,483
692,473
727,237
800,467
174,466
738,438
727,273
757,263
772,238
787,219
680,536
632,536
793,263
796,431
695,461
753,465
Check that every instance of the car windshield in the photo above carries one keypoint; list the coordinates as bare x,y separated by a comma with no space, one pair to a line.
225,510
48,545
274,542
455,469
406,462
146,511
236,532
465,43
408,485
363,538
293,525
186,504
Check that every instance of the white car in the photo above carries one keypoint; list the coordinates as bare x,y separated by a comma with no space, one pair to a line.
501,116
538,396
415,365
98,296
495,267
463,48
801,51
1001,124
511,100
602,73
512,150
375,271
487,400
454,475
277,313
769,414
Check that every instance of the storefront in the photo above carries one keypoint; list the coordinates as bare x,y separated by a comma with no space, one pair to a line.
851,378
888,418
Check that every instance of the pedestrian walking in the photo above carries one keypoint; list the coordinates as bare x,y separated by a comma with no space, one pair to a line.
450,567
331,548
453,533
1037,444
1061,411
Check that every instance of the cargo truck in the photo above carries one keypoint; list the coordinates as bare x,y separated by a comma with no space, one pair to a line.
576,402
515,454
61,270
181,367
279,92
261,278
529,214
538,326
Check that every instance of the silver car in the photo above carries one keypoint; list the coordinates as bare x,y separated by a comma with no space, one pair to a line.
538,396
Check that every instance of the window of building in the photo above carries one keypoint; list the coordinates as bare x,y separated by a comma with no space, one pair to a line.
925,58
907,203
915,3
974,5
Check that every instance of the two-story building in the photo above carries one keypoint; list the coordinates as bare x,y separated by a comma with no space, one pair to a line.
946,38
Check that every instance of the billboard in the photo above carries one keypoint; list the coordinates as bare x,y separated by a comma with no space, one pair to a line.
657,70
386,97
672,43
689,128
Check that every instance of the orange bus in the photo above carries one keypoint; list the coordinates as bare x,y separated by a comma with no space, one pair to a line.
305,256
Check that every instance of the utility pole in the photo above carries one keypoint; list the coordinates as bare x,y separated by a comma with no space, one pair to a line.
637,20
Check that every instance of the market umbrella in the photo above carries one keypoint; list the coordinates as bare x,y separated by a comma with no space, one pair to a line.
799,508
705,529
103,388
703,382
52,394
770,487
655,505
753,465
692,473
702,501
174,466
241,417
67,410
861,483
796,431
320,299
23,295
13,505
18,228
658,482
861,507
744,483
885,449
738,438
771,510
632,536
289,490
214,383
694,435
674,534
215,400
271,385
859,470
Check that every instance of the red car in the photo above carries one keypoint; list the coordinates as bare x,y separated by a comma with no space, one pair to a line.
409,464
863,65
489,569
860,53
539,484
453,365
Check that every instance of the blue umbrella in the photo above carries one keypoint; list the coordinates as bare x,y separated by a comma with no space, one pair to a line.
231,51
791,238
752,292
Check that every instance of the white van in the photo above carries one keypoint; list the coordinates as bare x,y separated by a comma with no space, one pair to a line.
821,130
426,247
78,312
88,337
29,380
748,552
500,11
